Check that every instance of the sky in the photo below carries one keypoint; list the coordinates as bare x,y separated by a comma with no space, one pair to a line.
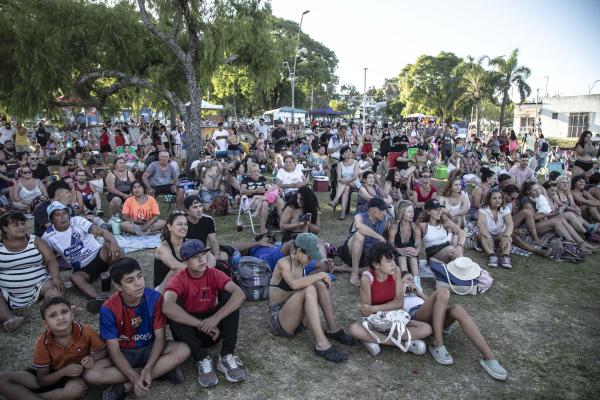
558,40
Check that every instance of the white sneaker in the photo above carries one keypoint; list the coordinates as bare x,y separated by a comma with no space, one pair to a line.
372,348
418,347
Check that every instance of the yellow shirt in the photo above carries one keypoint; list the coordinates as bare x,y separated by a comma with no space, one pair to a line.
21,137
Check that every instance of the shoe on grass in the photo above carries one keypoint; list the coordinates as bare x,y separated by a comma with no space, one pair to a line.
373,348
232,367
418,347
332,354
174,376
494,369
493,261
506,262
207,376
441,355
341,337
93,305
114,392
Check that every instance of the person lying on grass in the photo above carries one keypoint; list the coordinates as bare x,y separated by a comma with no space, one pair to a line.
73,238
382,289
202,304
435,310
295,298
63,354
133,325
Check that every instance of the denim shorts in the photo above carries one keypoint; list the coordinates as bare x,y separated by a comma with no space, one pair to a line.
276,327
413,311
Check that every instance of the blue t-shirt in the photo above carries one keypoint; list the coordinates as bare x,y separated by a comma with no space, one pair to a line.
133,326
273,254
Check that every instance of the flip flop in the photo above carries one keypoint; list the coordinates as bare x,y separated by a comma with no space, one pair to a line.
12,324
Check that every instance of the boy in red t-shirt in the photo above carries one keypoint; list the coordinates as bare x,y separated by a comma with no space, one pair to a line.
202,305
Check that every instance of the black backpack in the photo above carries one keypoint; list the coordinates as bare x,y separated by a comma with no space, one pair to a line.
253,276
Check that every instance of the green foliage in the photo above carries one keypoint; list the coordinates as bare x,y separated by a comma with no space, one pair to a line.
338,105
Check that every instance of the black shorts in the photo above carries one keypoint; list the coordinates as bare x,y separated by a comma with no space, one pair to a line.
110,196
95,267
162,189
584,165
433,250
344,253
60,384
106,148
138,357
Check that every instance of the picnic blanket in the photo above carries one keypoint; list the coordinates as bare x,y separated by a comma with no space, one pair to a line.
130,244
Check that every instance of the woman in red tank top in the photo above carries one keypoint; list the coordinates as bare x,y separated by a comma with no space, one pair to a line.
381,289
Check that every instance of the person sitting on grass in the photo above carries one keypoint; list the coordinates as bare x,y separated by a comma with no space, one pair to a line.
295,298
167,261
402,236
435,310
141,213
28,269
301,214
201,226
441,238
63,354
161,178
73,238
91,196
367,229
382,289
495,226
455,200
133,325
202,304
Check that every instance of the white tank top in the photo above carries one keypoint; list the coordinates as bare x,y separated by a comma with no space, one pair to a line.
435,235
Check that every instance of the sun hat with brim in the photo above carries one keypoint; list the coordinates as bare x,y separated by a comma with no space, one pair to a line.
54,206
309,242
464,268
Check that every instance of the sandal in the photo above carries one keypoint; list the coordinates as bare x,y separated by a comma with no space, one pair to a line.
332,354
341,337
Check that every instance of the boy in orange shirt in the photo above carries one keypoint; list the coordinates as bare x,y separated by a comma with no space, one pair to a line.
61,356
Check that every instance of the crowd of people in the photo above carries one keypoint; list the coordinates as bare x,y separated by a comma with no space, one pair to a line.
414,189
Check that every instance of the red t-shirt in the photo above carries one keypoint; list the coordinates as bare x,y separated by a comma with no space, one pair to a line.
119,140
421,198
198,295
381,292
104,138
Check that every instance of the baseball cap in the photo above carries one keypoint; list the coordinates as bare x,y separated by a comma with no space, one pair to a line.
432,204
379,203
191,248
190,200
309,242
54,206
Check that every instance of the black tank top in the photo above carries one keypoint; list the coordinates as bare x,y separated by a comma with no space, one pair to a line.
160,268
398,238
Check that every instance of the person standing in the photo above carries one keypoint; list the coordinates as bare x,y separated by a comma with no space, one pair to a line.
221,139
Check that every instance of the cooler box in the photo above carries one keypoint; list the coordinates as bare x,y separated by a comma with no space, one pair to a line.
321,185
441,172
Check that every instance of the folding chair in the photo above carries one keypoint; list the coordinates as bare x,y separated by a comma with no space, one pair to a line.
245,209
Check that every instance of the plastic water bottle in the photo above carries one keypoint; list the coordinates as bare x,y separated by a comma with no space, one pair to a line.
235,259
115,222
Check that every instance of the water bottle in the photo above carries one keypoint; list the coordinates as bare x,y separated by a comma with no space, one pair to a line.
235,259
115,222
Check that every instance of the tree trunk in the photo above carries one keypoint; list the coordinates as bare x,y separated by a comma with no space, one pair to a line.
173,116
194,140
503,109
477,119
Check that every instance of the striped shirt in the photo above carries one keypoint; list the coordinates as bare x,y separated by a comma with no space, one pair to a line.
22,274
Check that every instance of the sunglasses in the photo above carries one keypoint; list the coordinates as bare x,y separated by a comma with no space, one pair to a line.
25,172
33,158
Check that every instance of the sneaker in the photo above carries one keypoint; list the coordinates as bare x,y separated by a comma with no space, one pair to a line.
341,337
174,376
417,347
493,261
232,367
441,355
114,392
332,354
93,305
506,262
494,369
207,376
373,348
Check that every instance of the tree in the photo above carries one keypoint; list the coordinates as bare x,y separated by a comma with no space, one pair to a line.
509,73
476,84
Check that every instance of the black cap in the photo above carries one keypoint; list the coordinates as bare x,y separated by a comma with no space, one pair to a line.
190,200
432,204
379,203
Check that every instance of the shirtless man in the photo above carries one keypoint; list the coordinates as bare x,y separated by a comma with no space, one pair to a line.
211,179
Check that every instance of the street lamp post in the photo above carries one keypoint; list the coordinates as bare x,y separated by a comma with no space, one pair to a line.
592,86
365,103
292,73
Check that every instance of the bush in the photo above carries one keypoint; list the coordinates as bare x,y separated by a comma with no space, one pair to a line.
562,142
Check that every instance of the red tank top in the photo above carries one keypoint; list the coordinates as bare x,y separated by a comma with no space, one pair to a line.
423,199
381,292
86,190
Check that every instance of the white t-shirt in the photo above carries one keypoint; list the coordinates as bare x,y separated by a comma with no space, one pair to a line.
264,129
220,138
76,244
542,205
290,177
495,227
6,134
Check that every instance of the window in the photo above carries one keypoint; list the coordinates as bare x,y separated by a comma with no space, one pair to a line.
578,122
526,124
554,115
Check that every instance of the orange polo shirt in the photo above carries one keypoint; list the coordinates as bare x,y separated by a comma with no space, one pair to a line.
84,341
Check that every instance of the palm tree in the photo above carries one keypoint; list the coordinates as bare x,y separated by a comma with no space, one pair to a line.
509,73
476,83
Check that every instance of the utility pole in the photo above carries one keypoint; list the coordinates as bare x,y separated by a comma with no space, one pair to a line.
365,103
293,74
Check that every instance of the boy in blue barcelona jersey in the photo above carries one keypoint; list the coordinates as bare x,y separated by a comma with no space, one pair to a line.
133,326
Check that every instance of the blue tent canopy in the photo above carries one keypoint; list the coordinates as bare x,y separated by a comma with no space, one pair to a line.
328,111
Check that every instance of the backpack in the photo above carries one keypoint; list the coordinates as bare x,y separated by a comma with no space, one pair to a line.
565,251
253,276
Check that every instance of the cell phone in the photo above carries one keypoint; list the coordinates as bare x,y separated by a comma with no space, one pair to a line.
305,217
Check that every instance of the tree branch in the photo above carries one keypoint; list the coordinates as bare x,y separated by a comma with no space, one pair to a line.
169,41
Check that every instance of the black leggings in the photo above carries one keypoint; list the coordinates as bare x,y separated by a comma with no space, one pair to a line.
199,341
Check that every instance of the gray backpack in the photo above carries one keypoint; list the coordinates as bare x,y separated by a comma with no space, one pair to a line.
253,276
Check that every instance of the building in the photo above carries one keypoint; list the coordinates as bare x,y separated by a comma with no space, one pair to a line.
560,116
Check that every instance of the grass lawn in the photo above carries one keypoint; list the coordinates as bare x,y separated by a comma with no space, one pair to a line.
541,319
